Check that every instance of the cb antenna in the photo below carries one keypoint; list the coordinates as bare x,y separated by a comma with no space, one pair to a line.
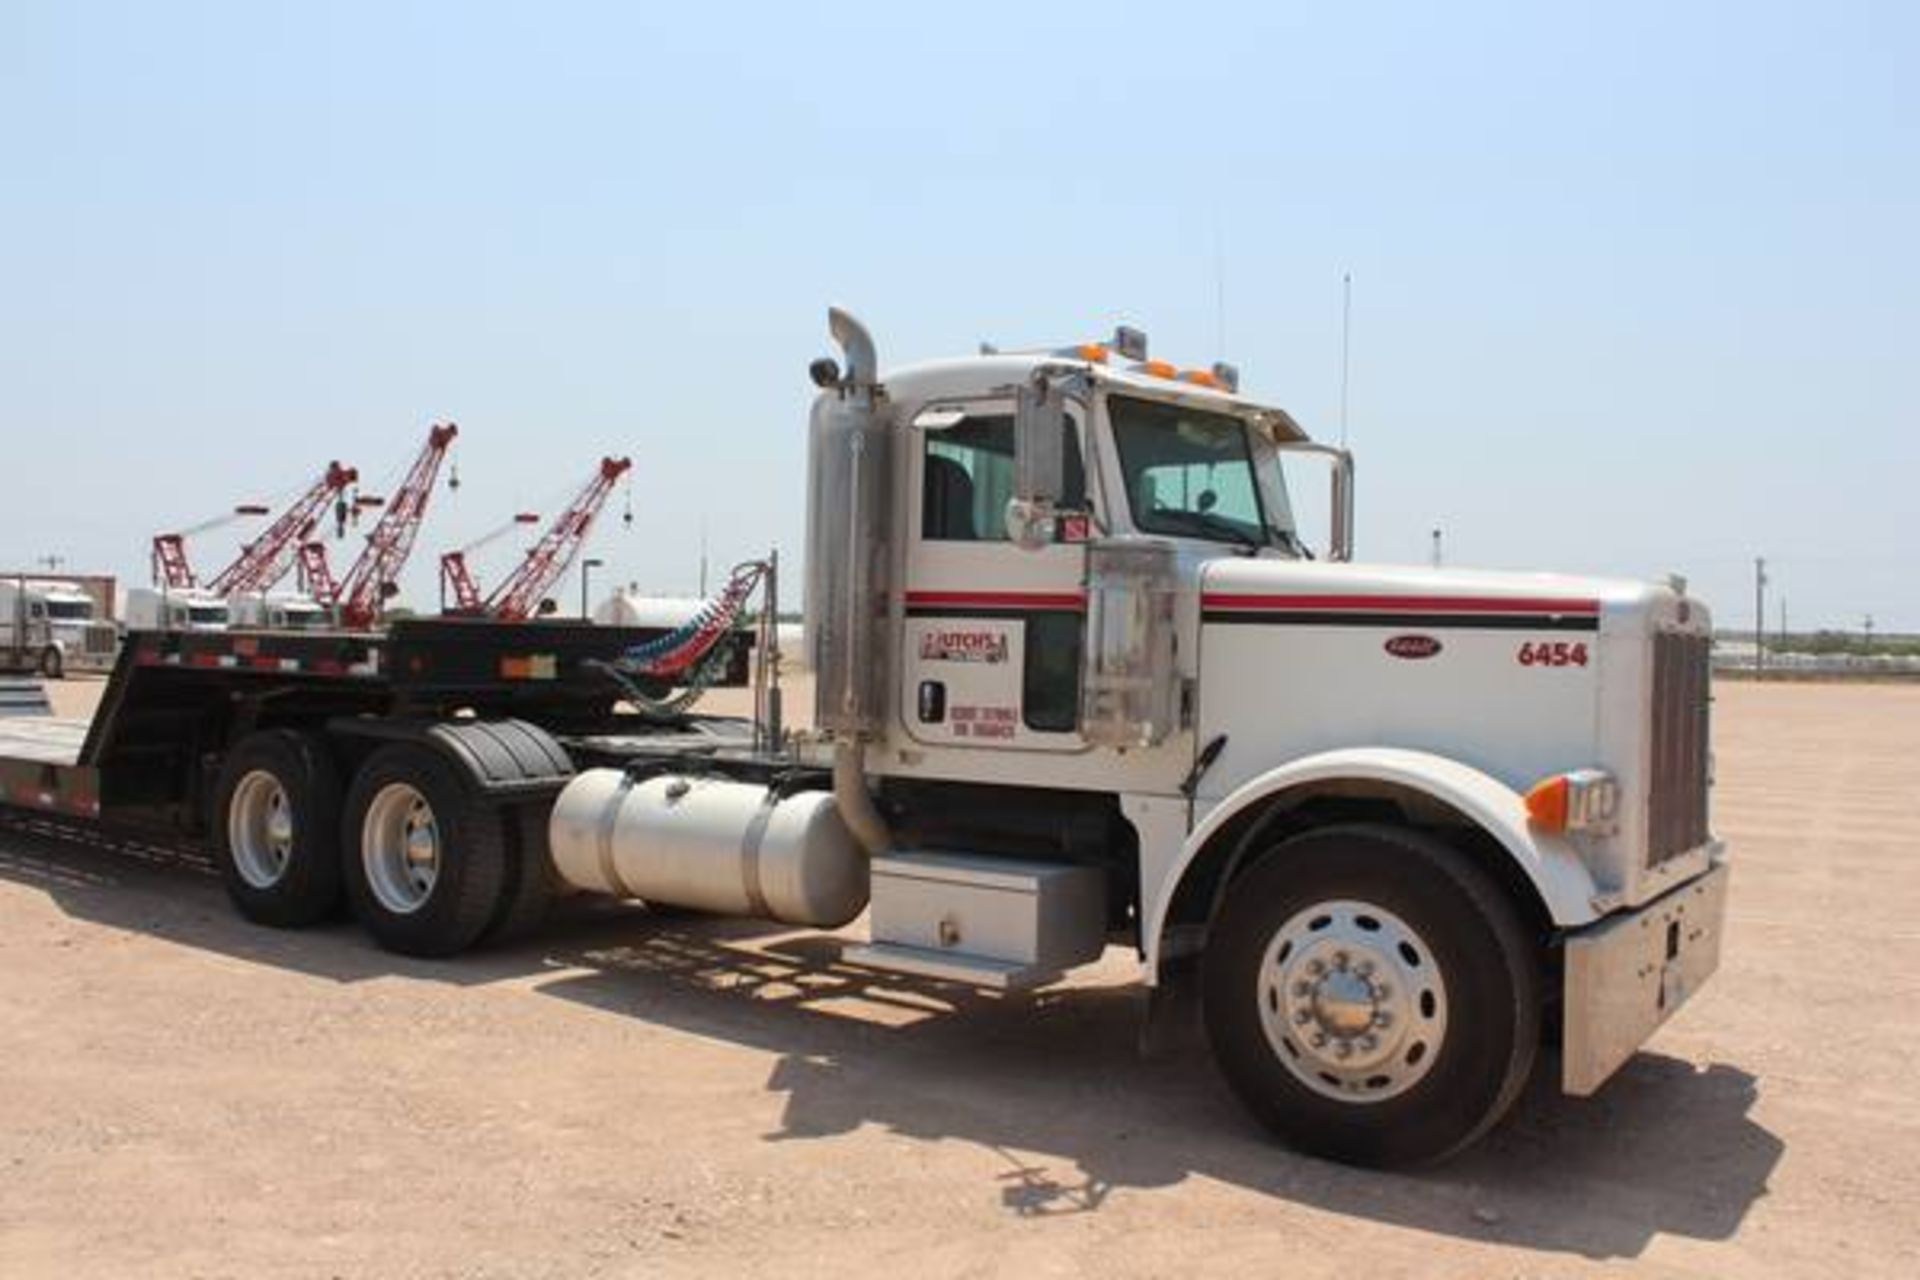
1346,348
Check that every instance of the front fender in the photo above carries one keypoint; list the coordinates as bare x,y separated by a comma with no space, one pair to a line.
1551,864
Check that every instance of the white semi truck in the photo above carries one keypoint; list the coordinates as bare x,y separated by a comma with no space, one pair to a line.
1079,684
176,609
52,626
278,611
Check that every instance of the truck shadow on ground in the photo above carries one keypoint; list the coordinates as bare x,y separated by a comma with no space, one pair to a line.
1054,1082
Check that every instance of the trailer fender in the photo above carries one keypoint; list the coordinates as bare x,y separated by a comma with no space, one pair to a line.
1551,864
504,761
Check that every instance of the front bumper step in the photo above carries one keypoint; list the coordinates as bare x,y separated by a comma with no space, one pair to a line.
1628,974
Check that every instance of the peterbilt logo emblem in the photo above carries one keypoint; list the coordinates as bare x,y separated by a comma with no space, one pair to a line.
1413,646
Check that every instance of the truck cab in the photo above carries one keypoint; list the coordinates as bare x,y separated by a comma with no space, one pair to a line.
53,627
277,611
175,609
1103,690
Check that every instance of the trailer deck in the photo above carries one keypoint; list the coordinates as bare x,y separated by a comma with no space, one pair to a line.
176,700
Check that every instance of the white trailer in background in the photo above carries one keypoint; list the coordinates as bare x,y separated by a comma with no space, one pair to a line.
53,627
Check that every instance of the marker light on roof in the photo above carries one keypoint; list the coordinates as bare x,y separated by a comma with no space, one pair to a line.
1092,352
1200,378
1156,369
1131,343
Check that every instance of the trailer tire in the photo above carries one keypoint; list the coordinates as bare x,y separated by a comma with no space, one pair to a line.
528,891
53,663
424,860
276,821
1372,995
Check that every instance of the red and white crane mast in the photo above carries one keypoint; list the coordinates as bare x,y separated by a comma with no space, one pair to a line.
519,596
265,560
372,578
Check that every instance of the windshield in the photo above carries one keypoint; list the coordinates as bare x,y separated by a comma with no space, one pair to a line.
69,610
1191,474
203,614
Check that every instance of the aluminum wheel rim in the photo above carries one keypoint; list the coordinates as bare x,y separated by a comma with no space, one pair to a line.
260,829
1352,1001
400,848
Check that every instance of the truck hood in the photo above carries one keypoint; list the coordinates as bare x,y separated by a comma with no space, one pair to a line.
1380,589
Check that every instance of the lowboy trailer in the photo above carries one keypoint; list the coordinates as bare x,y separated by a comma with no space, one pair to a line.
1079,682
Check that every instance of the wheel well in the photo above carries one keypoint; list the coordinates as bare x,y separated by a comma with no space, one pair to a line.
1239,844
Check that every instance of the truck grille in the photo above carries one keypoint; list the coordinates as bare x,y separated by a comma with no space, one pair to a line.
102,639
1677,795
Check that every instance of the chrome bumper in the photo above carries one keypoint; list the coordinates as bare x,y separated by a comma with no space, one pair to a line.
1628,974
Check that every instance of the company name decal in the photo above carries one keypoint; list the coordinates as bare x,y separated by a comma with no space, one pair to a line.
965,644
1413,646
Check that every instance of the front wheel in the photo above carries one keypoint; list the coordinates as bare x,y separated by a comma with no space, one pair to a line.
1372,996
425,862
53,664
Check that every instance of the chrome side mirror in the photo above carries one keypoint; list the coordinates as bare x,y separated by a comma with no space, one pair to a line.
1039,462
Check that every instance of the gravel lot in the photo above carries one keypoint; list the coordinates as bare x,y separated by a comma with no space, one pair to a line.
183,1094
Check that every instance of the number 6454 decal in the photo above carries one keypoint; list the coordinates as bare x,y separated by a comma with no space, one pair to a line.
1553,653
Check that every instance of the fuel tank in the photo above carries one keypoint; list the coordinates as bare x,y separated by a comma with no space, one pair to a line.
712,844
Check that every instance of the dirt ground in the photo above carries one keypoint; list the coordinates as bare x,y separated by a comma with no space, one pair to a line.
630,1095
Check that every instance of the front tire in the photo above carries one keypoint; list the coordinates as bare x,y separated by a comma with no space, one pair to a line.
425,861
1372,995
53,664
276,821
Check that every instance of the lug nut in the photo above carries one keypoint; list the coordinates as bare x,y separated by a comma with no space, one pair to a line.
1369,1043
1315,968
1319,1040
1383,1019
1302,988
1343,1050
1382,991
1339,959
1364,968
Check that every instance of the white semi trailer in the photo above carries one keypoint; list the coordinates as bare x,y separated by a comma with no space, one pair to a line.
1079,684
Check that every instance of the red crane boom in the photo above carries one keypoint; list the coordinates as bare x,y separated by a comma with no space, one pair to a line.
374,576
171,568
265,560
457,578
516,599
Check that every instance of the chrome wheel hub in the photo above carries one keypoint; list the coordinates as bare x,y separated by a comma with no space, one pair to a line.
260,829
1352,1001
400,848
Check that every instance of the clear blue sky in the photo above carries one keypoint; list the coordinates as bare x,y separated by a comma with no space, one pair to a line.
1637,287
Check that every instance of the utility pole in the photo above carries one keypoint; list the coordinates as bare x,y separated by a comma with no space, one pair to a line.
1759,615
1867,626
1436,548
1783,622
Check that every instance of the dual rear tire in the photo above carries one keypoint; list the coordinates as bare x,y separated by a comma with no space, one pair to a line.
428,870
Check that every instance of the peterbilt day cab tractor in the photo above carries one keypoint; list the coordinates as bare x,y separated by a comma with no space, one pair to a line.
1079,684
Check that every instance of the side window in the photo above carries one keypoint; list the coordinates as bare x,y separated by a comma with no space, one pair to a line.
968,477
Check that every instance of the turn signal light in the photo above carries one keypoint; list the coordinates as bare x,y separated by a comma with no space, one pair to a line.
1586,800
